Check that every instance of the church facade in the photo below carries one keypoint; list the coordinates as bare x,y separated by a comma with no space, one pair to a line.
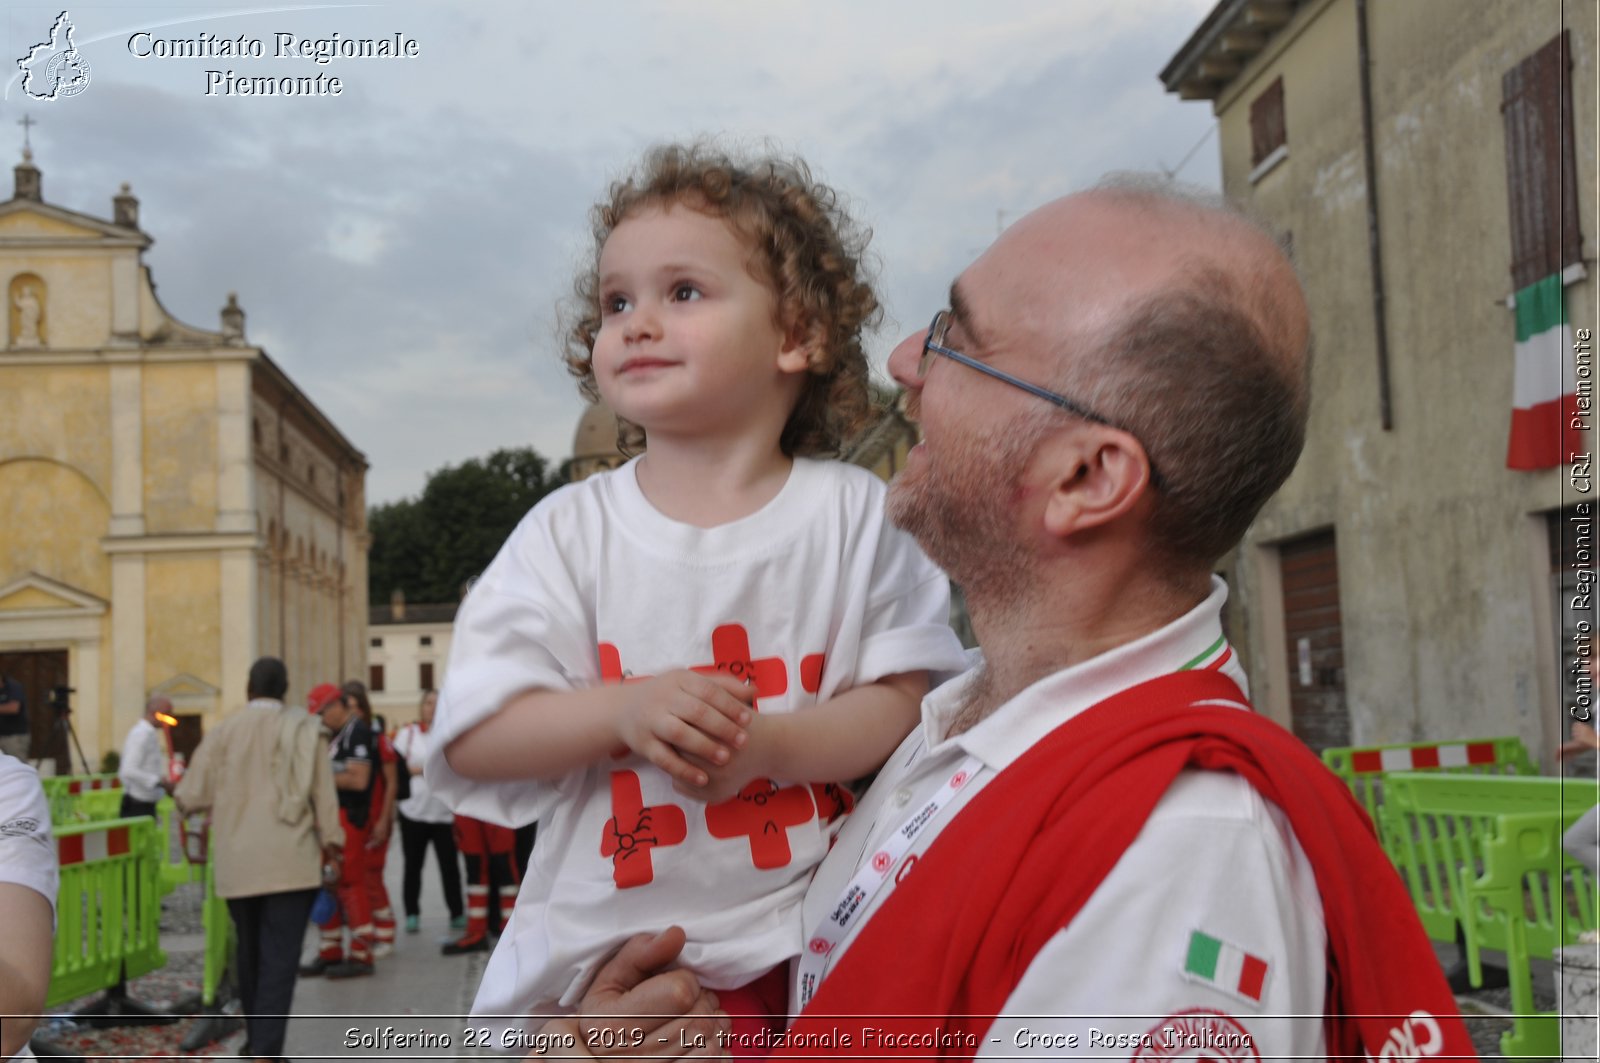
175,505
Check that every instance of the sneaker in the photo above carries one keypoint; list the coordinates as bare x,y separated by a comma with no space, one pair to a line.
412,924
382,949
316,967
349,969
457,948
458,922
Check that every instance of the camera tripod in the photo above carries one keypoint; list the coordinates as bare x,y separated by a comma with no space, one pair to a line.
60,704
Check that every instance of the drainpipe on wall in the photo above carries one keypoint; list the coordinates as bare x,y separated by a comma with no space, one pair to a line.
1374,243
283,568
340,591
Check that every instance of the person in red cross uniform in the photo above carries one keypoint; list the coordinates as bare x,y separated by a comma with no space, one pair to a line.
380,824
1092,846
492,877
353,752
668,664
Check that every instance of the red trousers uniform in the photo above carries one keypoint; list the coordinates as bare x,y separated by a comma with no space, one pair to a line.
491,874
355,907
377,892
378,895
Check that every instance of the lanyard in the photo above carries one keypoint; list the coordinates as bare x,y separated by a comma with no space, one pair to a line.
873,876
874,873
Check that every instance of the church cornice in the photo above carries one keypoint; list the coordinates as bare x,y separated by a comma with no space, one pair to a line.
102,233
197,542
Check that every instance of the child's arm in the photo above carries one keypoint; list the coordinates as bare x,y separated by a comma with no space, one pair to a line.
545,734
843,739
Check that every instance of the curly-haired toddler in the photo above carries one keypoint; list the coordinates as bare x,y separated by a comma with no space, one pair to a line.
676,666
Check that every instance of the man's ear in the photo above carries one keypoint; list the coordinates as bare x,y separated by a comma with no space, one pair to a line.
1096,474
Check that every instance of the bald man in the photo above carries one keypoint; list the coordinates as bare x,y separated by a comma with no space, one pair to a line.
1092,845
144,768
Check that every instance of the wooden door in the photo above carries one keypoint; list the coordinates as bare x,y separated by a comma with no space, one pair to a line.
40,672
1317,708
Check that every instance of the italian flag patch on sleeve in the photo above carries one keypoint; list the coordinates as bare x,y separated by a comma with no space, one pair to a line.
1226,967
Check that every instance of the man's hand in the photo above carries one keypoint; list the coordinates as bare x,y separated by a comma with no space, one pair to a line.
379,837
630,993
1583,740
684,713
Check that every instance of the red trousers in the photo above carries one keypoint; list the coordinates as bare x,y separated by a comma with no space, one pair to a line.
491,874
355,907
378,894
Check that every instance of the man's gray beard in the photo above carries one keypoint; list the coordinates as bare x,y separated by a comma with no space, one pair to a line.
964,520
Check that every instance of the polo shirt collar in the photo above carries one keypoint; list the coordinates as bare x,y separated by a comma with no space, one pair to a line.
1191,640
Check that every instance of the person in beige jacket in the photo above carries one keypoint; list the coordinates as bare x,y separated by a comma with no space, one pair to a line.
264,775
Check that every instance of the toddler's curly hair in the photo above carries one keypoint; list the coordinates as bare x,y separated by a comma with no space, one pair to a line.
808,250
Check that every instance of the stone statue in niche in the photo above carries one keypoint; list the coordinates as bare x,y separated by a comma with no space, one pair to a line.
28,315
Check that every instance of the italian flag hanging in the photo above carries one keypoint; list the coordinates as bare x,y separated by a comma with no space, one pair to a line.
1545,387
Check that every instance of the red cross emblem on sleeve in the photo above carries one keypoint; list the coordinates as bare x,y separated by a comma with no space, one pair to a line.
635,829
730,650
763,813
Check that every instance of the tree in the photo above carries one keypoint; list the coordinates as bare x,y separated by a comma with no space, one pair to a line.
430,546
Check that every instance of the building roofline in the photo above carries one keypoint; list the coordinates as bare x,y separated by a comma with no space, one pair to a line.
1235,32
320,420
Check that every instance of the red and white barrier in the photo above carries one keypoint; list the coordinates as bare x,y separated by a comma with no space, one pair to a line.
1421,758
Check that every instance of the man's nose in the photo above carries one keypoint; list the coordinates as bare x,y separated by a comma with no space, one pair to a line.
905,357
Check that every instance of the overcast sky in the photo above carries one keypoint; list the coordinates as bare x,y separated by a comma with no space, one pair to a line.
400,248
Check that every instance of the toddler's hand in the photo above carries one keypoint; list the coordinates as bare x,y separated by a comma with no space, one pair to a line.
757,758
684,713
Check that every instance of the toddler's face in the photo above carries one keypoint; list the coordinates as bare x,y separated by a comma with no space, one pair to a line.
689,341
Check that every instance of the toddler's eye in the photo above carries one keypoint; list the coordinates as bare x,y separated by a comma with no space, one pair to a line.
614,304
684,293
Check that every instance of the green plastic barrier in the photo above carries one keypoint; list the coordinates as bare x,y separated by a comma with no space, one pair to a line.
1486,853
1363,767
218,925
96,806
108,911
92,799
66,793
176,867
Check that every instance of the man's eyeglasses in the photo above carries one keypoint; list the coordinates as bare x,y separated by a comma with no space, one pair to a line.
934,344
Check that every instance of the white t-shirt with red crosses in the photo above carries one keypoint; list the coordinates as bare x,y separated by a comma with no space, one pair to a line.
810,596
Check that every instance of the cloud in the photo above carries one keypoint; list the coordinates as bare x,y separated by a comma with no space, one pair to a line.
400,249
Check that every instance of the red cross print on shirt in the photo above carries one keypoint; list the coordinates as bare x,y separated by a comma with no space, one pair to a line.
730,646
611,672
833,800
763,813
811,672
611,666
634,829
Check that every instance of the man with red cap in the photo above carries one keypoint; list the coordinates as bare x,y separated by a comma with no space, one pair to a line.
352,751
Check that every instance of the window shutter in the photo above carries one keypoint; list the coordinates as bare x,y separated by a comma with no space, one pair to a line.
1541,167
1268,131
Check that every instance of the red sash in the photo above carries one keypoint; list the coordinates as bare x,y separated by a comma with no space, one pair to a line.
938,961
